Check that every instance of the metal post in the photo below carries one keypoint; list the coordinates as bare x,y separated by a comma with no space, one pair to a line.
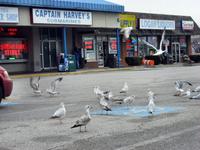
118,47
65,41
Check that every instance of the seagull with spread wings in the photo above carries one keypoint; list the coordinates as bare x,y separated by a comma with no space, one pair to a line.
34,83
158,51
126,32
52,90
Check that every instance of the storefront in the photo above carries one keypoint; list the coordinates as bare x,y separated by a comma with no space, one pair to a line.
32,39
149,27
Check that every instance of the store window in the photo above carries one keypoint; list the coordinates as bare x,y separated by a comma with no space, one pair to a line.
13,44
183,45
153,41
142,47
89,47
131,46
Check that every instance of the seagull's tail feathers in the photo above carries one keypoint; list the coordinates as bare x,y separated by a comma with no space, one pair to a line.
75,126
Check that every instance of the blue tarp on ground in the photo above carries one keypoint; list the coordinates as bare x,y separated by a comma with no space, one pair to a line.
91,5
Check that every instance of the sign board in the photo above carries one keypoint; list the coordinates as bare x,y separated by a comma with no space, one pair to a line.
188,25
127,20
157,24
9,15
51,16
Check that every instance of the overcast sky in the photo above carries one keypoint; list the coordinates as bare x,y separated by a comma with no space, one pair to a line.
174,7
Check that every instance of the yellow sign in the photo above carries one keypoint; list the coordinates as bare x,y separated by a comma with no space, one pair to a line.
127,20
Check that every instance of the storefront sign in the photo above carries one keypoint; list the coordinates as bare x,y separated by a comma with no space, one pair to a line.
9,15
187,25
157,24
127,20
50,16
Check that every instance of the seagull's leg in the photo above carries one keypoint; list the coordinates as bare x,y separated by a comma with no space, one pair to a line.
80,128
85,128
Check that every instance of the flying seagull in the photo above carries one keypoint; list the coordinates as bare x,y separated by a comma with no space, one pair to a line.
104,105
34,83
158,51
126,32
84,120
52,90
60,113
125,88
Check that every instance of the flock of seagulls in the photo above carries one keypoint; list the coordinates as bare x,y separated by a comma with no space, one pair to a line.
106,98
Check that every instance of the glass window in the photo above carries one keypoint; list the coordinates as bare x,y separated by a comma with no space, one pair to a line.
142,47
12,49
153,41
89,47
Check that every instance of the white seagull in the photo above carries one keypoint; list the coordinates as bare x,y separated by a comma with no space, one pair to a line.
129,100
52,90
60,113
151,104
104,105
179,87
158,51
35,85
126,32
84,120
187,93
195,96
125,88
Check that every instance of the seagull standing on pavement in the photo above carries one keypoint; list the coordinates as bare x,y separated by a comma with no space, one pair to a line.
125,88
34,83
104,105
129,100
52,90
151,104
179,86
84,120
60,113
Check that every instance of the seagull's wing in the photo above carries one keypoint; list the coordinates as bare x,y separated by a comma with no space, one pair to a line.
82,121
187,82
162,39
195,96
150,45
34,85
197,89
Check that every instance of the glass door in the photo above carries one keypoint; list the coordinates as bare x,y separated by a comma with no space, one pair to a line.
48,56
176,53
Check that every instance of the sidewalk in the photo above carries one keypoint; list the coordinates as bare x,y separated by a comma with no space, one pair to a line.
96,70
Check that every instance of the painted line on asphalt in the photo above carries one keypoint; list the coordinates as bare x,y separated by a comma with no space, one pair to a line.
159,138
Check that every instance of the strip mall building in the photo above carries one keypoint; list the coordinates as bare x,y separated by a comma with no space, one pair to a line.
34,33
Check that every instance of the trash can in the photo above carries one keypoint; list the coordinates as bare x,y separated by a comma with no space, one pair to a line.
71,63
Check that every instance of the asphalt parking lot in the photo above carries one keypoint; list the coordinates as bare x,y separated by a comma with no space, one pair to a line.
25,123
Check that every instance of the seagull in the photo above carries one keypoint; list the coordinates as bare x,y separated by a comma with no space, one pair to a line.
35,85
197,89
179,87
84,120
60,113
195,96
158,51
104,105
125,88
151,105
129,100
52,90
126,31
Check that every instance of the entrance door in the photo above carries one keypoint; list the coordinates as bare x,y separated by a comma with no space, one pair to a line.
48,56
176,53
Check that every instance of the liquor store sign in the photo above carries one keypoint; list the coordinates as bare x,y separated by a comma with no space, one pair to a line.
9,15
51,16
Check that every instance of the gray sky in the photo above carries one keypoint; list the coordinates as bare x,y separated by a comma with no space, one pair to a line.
172,7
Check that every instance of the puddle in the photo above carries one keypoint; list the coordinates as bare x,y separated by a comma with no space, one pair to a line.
4,104
138,111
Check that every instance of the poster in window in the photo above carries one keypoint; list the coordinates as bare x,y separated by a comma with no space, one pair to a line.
112,45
